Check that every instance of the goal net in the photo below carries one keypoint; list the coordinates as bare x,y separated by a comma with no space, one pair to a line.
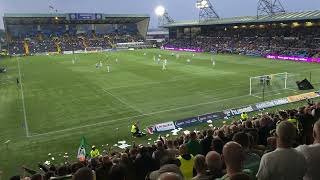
272,83
93,49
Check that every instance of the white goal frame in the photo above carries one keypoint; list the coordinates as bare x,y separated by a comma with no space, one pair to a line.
270,75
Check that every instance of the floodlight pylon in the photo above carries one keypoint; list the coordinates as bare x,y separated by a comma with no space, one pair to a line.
206,10
164,19
269,8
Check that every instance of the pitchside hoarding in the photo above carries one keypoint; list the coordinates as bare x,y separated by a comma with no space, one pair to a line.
182,49
230,112
293,58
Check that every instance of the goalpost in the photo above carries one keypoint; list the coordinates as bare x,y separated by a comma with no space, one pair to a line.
271,82
93,49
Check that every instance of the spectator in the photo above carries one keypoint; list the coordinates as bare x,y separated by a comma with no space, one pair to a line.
144,163
161,155
170,176
83,174
127,166
233,156
186,162
206,142
104,168
36,177
312,155
117,172
173,152
214,164
240,176
165,169
217,145
200,167
193,144
285,162
252,160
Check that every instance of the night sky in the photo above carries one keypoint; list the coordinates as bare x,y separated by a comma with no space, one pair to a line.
178,9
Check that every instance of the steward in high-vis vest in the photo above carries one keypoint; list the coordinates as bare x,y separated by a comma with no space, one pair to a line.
135,131
186,162
243,116
94,152
296,124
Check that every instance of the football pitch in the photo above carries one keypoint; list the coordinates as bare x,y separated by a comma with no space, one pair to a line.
63,97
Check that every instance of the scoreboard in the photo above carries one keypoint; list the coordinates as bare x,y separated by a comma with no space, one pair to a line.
85,16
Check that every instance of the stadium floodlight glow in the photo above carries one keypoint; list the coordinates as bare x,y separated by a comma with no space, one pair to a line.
206,11
202,4
160,11
163,16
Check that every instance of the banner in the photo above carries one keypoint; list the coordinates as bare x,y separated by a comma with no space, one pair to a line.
268,104
302,97
293,58
238,111
164,126
182,49
186,122
211,116
85,16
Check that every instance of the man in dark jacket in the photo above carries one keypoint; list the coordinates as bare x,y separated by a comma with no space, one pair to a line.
206,142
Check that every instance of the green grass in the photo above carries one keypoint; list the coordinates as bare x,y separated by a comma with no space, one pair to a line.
64,101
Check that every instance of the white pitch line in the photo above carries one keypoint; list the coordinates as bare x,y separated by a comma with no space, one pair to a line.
136,116
23,104
122,101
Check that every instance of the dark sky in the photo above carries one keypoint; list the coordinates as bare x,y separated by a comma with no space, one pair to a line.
178,9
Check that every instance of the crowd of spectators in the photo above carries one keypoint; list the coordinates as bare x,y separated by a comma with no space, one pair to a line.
66,42
298,41
283,145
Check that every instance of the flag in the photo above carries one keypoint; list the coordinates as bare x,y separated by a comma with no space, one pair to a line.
84,149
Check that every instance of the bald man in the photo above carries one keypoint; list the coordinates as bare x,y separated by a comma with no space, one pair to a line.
214,164
312,154
170,176
285,162
233,156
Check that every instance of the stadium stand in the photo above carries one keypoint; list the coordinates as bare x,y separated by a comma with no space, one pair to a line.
292,34
242,149
247,149
40,33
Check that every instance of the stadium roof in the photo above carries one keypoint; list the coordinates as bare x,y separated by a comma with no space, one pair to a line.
290,16
19,18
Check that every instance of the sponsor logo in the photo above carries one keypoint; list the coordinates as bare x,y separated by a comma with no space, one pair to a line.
234,112
165,126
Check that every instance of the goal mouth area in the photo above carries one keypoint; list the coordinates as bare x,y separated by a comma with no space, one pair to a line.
272,84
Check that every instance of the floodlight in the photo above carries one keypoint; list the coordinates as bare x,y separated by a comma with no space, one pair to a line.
202,4
160,11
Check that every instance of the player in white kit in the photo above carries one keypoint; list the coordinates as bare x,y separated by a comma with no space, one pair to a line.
213,62
164,65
